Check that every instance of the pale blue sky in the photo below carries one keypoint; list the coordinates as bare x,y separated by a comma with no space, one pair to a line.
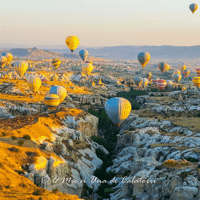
100,22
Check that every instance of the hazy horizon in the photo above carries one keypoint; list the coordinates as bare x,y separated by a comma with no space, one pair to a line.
99,23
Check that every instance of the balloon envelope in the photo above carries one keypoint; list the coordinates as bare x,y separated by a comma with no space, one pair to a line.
21,67
196,81
193,7
138,80
145,82
163,66
144,58
83,54
177,77
72,42
52,101
56,63
3,61
87,68
118,109
60,91
198,72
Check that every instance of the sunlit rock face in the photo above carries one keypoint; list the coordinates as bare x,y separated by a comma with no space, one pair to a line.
65,134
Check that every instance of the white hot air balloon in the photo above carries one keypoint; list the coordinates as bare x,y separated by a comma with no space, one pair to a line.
118,109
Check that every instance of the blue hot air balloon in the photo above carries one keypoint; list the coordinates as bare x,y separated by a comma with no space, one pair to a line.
83,54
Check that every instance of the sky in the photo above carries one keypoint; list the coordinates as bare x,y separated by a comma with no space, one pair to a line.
100,23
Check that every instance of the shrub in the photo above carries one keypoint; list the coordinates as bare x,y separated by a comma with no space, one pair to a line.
27,137
14,138
13,149
55,191
198,115
3,133
38,192
191,159
173,114
20,143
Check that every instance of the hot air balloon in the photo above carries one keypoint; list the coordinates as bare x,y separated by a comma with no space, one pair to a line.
56,63
52,101
87,68
167,68
193,7
176,72
21,67
100,82
183,67
183,88
143,58
72,42
93,83
138,80
161,84
163,66
196,81
60,91
148,76
186,73
83,54
34,83
154,80
169,84
3,61
9,57
177,77
118,109
198,72
145,82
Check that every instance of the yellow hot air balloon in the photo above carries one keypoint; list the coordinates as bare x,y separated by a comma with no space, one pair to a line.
118,109
34,83
100,82
56,63
193,7
93,83
72,42
167,68
87,68
144,58
52,101
196,81
183,67
3,61
148,76
183,88
60,91
21,67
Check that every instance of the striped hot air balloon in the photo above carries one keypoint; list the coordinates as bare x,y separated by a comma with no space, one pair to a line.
154,80
161,84
52,101
198,72
196,81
